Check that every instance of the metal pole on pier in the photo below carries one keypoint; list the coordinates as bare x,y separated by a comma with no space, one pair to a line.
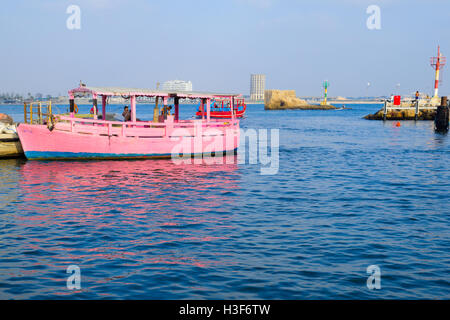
416,117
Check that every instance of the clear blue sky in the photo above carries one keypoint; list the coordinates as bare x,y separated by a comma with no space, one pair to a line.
218,44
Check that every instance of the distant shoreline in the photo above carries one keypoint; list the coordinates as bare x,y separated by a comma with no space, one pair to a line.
355,101
312,102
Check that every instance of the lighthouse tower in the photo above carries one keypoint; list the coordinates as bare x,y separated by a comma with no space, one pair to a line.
325,85
437,63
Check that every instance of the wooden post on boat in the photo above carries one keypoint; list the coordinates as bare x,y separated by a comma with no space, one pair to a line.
202,107
31,113
103,107
49,111
208,109
25,112
71,106
156,108
232,109
40,112
94,100
176,102
133,108
165,108
156,111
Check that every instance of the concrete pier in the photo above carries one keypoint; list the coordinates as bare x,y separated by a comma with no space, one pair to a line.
406,111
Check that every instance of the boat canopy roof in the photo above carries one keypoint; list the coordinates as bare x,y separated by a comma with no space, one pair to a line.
119,91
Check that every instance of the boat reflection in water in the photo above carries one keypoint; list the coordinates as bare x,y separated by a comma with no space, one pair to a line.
116,218
9,177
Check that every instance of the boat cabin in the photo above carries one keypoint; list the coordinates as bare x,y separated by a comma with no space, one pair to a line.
104,93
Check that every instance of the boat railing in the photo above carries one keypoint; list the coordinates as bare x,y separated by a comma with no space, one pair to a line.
139,129
37,112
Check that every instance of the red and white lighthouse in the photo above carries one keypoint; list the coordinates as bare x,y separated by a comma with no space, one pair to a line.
437,63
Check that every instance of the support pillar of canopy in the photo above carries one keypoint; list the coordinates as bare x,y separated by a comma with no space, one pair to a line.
133,108
208,109
156,108
103,107
177,106
202,107
94,100
156,111
232,108
72,105
165,108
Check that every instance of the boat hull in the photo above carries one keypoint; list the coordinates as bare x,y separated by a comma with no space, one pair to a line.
39,143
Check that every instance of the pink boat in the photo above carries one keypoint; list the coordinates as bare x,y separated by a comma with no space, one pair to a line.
71,137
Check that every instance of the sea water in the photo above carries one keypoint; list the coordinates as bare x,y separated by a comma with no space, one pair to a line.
348,194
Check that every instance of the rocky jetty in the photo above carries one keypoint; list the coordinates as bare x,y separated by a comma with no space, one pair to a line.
286,99
409,114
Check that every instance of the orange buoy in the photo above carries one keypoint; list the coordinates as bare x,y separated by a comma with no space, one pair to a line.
398,124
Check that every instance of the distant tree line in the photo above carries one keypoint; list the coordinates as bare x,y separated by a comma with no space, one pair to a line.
11,97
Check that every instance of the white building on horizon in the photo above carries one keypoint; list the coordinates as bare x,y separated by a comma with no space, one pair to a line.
257,86
177,85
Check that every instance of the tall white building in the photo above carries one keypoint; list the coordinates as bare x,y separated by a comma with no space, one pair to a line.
257,86
177,85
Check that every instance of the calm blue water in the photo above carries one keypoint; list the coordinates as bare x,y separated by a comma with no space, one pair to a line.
349,193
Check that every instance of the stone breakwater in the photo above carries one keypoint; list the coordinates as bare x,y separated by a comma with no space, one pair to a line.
286,99
409,114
